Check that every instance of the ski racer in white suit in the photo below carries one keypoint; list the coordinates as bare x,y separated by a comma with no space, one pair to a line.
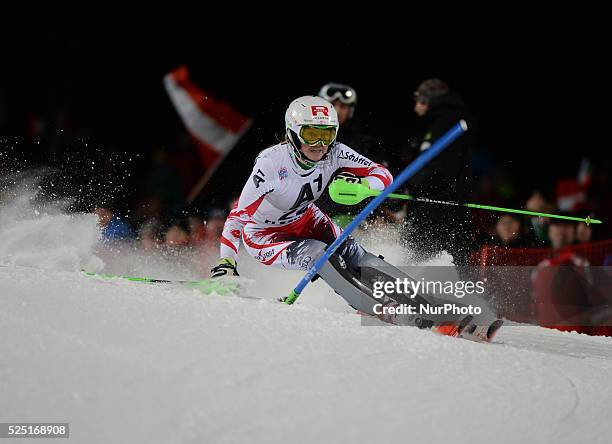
280,225
276,216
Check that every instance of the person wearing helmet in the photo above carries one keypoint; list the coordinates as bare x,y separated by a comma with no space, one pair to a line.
344,100
276,215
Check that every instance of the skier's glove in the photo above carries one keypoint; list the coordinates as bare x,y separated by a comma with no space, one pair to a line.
225,266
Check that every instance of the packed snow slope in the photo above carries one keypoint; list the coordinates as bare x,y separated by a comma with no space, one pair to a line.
126,362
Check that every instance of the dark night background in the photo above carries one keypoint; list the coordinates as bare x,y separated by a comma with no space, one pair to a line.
537,79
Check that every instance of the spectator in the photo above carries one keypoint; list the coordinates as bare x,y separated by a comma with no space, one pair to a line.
435,228
176,236
148,234
538,203
113,228
509,232
584,233
344,100
564,233
205,235
197,230
561,233
214,225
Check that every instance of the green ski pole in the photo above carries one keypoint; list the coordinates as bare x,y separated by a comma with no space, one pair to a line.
347,193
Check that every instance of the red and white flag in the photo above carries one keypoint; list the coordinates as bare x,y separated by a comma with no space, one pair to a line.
215,126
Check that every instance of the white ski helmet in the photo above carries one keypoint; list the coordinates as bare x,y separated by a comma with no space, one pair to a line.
310,111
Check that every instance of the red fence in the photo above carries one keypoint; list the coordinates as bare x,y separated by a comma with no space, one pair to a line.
597,253
550,287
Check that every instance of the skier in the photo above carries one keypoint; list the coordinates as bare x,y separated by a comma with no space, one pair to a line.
281,226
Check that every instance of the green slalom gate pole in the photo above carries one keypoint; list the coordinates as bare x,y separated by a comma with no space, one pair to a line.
346,193
418,163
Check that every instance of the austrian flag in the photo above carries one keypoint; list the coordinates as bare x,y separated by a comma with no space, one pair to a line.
214,125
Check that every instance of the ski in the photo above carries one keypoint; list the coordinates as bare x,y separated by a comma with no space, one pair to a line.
219,286
470,331
454,329
465,327
461,329
482,333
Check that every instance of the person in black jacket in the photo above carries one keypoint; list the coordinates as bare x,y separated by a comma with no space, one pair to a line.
344,100
433,227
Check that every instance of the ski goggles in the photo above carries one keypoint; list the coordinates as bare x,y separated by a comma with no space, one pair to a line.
312,135
334,91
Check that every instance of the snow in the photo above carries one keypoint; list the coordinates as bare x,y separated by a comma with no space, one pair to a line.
130,362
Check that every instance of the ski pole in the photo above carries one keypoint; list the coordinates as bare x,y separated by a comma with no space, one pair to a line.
449,137
347,193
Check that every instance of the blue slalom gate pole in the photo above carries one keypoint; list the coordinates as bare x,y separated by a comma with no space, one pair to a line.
449,137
